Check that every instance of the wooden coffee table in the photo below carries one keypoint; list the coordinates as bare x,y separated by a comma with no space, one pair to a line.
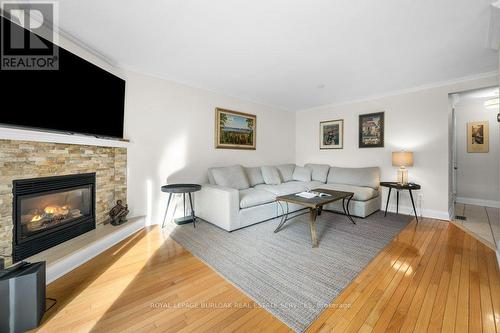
315,206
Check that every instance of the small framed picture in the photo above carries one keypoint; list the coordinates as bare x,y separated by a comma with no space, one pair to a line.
331,134
478,137
235,130
371,130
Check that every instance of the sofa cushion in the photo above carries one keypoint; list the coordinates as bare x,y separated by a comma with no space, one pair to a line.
313,184
302,174
286,172
284,189
360,193
253,197
211,179
319,171
254,176
271,175
231,176
355,176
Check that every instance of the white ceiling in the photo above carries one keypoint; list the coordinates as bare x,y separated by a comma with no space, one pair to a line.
289,53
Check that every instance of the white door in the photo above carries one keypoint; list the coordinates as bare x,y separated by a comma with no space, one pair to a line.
454,164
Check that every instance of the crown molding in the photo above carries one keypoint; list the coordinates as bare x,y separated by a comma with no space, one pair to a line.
439,84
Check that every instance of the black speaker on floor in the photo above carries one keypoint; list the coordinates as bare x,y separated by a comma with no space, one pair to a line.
22,296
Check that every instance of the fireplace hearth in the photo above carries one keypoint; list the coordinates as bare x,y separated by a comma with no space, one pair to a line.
48,211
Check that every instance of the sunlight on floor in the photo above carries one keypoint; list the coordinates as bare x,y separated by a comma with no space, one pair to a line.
479,220
402,266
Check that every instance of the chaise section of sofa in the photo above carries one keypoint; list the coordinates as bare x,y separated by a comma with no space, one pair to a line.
237,196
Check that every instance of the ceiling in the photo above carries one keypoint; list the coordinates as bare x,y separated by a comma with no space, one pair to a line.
287,53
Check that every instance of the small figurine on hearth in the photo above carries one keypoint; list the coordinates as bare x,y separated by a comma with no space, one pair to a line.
118,214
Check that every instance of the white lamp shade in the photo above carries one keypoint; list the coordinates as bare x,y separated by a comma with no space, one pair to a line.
402,158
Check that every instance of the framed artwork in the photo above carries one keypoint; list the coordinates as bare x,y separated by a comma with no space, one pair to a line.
371,130
478,136
331,134
235,130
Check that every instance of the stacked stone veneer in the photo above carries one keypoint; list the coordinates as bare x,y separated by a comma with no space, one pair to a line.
26,159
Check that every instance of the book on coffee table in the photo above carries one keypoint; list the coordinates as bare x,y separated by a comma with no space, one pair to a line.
310,195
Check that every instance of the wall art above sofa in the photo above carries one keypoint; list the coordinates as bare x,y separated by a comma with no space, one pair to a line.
235,130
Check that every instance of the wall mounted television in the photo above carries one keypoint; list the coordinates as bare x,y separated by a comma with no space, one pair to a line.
79,97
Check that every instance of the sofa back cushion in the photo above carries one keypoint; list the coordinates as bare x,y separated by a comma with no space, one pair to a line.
369,177
211,179
231,176
319,171
254,176
271,175
286,172
302,174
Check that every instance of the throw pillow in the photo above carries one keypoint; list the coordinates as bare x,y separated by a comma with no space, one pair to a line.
254,176
232,177
270,175
302,174
286,172
319,171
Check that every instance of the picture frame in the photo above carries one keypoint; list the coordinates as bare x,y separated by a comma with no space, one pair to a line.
478,137
235,130
371,130
331,134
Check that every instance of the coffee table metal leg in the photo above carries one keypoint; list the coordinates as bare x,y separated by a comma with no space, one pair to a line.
283,217
388,198
166,210
192,210
348,212
413,204
312,224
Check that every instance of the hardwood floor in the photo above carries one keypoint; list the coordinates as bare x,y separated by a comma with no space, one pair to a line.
431,277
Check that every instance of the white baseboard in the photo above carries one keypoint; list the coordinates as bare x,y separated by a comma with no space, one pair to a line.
429,213
65,257
479,202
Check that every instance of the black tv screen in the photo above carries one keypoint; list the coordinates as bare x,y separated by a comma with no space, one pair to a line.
79,97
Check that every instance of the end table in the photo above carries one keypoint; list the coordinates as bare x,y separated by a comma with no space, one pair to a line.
181,189
398,187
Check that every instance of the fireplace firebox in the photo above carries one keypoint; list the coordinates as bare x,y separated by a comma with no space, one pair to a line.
51,210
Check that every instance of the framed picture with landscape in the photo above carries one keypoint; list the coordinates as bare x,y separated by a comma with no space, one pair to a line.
235,130
331,134
371,130
478,137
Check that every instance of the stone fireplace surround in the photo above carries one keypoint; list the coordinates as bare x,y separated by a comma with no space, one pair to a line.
29,159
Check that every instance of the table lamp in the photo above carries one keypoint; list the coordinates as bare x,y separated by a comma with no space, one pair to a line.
402,159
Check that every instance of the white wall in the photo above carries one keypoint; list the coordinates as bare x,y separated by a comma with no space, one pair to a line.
416,121
171,132
478,174
171,129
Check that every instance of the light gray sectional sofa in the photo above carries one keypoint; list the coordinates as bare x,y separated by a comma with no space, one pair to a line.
237,196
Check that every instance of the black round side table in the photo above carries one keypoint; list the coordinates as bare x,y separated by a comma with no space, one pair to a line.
398,187
173,189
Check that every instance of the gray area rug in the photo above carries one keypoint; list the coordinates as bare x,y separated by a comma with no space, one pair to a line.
282,272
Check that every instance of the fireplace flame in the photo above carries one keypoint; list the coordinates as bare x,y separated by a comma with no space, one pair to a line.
36,218
51,211
56,210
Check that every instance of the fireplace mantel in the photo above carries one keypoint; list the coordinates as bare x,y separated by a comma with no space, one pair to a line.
8,133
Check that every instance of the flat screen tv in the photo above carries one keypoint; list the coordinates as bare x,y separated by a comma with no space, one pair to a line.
79,97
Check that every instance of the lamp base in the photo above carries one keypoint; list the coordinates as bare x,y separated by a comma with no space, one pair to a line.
402,176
